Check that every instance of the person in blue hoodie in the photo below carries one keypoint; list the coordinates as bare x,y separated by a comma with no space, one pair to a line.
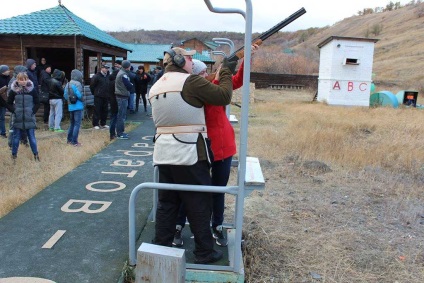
75,110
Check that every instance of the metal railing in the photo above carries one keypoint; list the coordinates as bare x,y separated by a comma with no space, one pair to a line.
238,190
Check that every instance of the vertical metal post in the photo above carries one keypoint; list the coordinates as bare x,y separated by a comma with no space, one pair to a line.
243,133
244,123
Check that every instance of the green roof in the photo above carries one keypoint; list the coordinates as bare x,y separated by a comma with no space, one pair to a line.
56,21
147,52
203,58
153,53
212,45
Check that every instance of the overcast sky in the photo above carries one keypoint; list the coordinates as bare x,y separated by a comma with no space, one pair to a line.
194,15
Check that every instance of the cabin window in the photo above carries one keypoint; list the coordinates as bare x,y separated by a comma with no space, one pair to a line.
351,61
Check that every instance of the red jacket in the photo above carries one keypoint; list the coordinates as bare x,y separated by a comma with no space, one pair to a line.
220,130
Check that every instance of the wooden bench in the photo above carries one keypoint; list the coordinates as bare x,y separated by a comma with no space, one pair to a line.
233,119
286,86
254,179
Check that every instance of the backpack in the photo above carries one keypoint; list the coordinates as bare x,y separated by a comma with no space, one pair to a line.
72,98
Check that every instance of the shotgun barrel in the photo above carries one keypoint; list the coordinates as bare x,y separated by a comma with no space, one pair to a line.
239,53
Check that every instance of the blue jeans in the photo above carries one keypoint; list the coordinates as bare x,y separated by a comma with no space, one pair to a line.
74,126
131,102
122,113
17,138
112,127
220,175
2,121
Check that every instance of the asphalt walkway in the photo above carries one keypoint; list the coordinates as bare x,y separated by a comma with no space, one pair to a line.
76,229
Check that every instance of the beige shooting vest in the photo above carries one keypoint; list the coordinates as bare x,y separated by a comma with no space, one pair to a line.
178,123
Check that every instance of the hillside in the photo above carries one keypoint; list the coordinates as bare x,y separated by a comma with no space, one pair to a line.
397,57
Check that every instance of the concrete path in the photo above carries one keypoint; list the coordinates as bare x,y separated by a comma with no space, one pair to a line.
76,229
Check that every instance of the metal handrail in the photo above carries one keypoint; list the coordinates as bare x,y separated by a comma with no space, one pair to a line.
238,191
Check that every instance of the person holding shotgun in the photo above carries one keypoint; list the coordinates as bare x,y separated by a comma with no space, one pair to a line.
221,133
181,151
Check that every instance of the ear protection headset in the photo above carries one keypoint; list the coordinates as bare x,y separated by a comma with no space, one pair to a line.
177,59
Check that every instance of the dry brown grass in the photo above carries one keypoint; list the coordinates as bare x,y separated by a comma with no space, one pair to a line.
21,181
344,192
343,199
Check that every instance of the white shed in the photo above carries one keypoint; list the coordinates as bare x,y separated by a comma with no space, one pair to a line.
345,70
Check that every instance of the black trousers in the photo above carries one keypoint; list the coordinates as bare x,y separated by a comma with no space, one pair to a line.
137,100
198,206
46,113
101,108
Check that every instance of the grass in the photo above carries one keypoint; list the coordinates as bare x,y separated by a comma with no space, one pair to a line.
21,181
343,200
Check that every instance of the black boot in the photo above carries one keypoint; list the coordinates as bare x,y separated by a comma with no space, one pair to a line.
36,157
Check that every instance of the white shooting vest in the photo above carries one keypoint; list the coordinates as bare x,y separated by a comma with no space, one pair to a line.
178,123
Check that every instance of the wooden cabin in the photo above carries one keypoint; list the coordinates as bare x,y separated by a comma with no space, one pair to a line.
64,39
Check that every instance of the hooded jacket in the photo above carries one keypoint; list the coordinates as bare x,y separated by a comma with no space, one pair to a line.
24,102
99,85
55,86
32,74
76,84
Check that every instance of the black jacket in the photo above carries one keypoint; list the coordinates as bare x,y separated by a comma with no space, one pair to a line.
55,85
141,83
99,85
111,92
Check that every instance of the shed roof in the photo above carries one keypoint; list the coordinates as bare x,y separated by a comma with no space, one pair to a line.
153,53
56,21
147,52
346,38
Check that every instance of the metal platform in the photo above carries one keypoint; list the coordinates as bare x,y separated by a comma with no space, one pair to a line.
193,274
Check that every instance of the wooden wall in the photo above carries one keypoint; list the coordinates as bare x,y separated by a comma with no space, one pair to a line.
263,80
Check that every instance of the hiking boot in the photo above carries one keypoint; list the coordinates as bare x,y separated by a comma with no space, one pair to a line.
178,239
213,257
36,157
218,235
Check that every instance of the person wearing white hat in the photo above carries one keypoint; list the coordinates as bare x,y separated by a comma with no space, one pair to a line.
223,144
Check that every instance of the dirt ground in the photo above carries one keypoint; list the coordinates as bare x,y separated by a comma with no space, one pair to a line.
321,222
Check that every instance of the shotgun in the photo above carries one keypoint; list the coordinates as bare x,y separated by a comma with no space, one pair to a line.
239,53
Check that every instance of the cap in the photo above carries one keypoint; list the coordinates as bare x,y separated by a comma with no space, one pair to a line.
179,51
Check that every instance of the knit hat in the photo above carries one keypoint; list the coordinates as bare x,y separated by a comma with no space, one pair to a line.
19,68
126,64
4,68
198,66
